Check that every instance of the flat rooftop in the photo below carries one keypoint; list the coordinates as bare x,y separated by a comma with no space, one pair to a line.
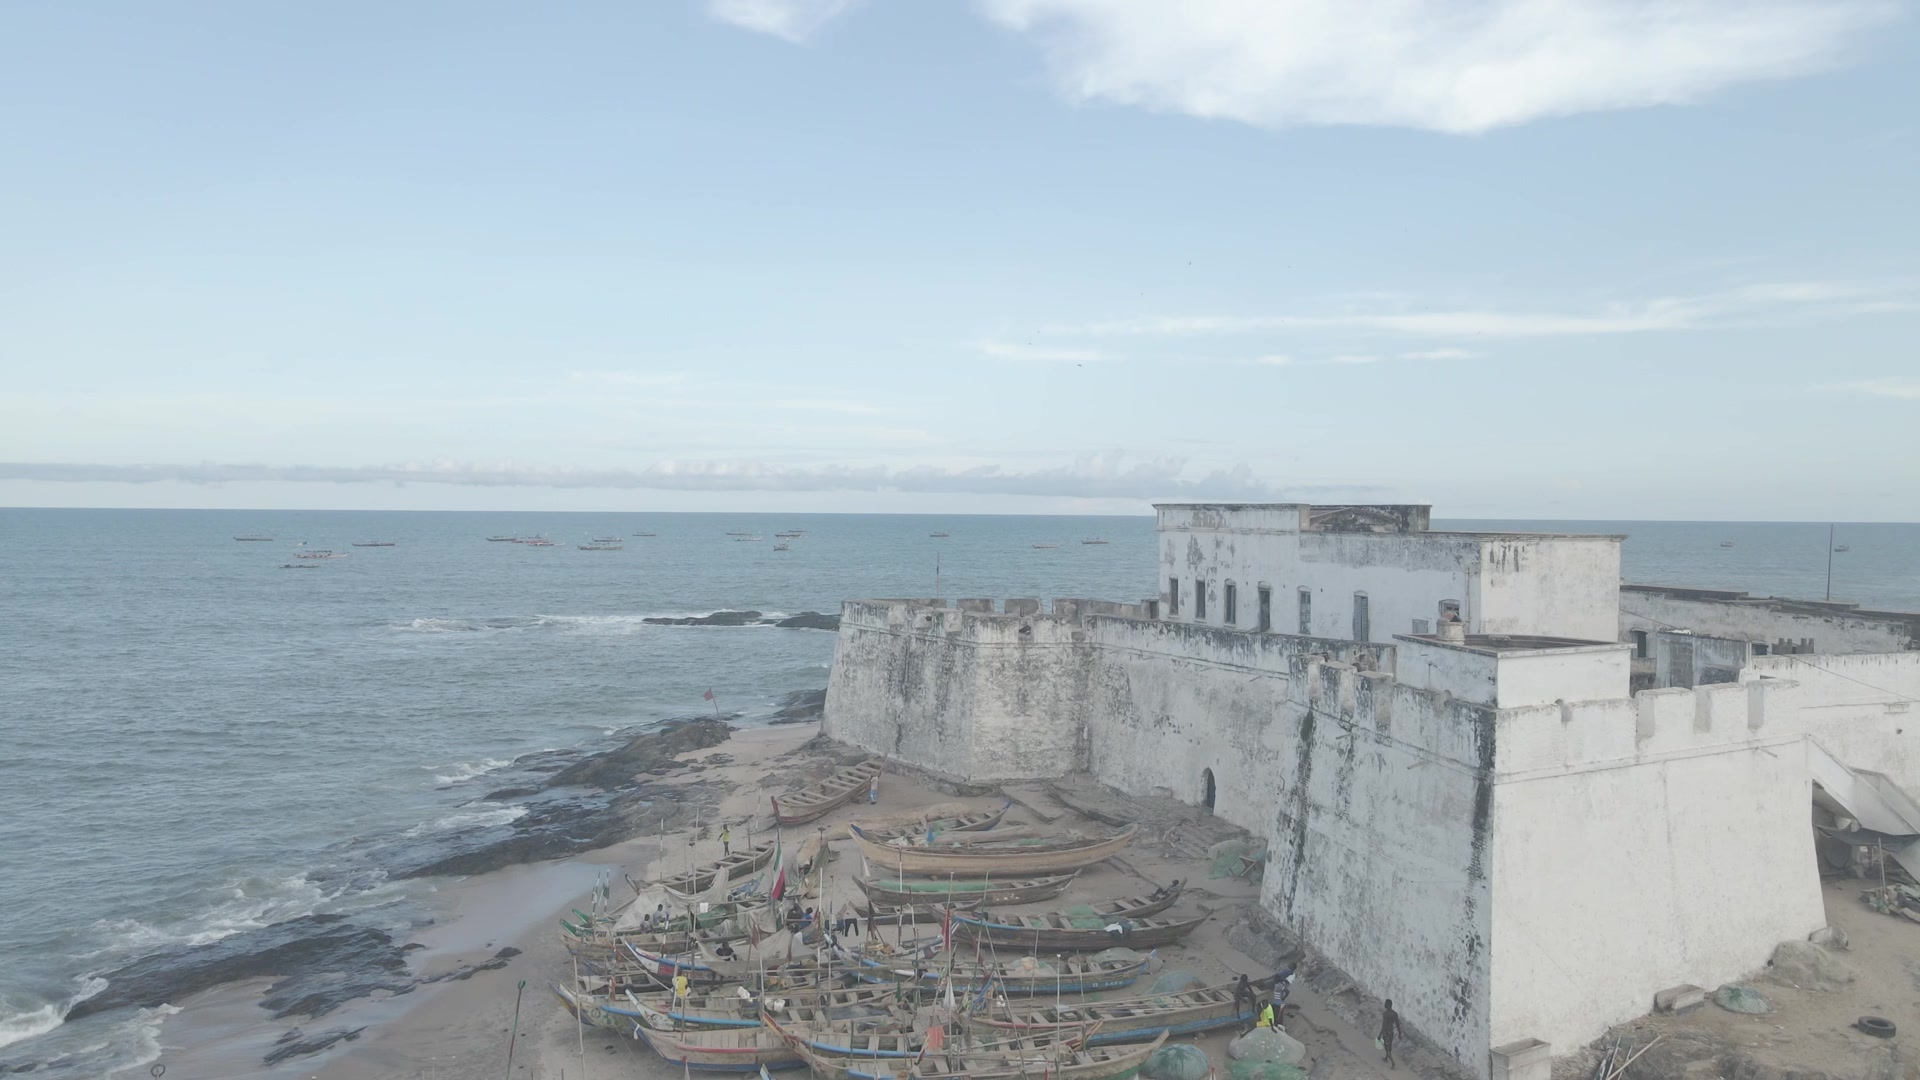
1504,644
1775,603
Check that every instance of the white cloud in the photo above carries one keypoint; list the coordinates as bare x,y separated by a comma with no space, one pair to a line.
1748,305
1353,358
1440,354
1893,386
794,20
1039,353
1273,360
1090,476
1454,67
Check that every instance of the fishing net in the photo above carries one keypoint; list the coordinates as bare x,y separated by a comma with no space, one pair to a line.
1229,858
1181,1061
1267,1044
1264,1070
1173,982
1030,965
1083,917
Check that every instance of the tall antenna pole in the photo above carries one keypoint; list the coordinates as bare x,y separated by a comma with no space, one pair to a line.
1829,561
936,574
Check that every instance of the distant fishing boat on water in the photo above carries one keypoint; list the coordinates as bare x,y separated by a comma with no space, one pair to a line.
939,535
1093,540
783,546
1726,543
599,547
298,566
1045,547
536,541
374,543
320,553
607,540
254,539
503,540
1842,547
743,539
643,534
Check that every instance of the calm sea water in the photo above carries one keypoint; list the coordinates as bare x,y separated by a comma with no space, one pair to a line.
195,732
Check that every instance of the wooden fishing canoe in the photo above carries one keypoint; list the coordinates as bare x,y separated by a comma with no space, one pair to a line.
1060,932
1018,1060
969,822
835,791
737,866
745,1050
1069,974
909,914
1134,1019
607,944
590,1010
909,855
891,889
728,1007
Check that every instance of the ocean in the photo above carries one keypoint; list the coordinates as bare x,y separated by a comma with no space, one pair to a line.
208,736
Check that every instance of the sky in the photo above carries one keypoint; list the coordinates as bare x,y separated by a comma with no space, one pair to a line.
1517,258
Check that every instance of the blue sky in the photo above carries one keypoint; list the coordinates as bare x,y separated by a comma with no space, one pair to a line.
1588,258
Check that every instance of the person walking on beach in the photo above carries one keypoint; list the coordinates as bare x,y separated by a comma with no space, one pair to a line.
1389,1030
873,790
726,841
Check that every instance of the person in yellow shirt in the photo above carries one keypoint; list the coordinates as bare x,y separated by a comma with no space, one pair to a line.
1266,1017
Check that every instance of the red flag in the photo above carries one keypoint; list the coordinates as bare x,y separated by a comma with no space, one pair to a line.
946,927
708,696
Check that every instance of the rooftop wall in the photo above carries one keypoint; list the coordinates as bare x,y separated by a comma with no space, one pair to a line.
1833,628
1861,709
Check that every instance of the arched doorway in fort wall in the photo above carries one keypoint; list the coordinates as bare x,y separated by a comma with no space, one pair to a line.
1207,790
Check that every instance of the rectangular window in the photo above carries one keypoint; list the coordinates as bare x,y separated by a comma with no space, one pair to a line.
1173,597
1362,625
1266,608
1231,601
1200,599
1760,648
1306,610
1640,644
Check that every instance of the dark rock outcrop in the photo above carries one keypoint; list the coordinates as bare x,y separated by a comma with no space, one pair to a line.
718,618
646,753
809,620
800,707
321,961
296,1043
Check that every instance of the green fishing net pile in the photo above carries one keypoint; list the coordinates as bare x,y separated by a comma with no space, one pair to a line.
1083,917
1228,857
1264,1070
1181,1061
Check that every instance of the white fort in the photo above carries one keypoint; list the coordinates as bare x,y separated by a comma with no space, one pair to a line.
1498,787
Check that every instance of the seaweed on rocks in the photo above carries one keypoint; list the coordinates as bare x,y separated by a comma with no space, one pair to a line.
718,618
297,1043
801,706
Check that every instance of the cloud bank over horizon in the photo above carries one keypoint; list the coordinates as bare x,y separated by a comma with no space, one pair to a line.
1462,68
1103,476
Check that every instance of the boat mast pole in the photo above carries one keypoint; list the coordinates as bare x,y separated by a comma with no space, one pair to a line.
1829,560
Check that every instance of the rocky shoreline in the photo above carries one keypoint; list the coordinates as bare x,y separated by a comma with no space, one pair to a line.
576,802
806,620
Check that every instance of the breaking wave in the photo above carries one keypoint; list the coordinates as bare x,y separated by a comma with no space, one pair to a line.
470,819
29,1023
461,772
510,624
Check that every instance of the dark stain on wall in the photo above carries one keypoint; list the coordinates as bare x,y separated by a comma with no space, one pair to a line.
1301,811
1480,721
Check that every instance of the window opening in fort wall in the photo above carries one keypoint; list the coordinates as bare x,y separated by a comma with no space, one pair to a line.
1199,599
1173,597
1362,625
1266,609
1306,610
1230,604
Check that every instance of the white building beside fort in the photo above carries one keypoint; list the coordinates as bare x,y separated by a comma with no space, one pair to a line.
1499,787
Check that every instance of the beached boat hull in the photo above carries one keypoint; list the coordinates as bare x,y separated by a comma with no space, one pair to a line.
1021,1061
1137,1019
1048,933
977,862
739,865
746,1050
1075,976
828,795
899,891
975,821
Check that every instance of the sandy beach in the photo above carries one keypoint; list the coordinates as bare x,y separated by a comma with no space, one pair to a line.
463,1026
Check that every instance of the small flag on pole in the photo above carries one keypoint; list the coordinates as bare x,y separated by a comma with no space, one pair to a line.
708,696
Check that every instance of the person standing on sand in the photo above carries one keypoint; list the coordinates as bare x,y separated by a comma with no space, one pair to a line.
873,790
1389,1030
1243,991
726,842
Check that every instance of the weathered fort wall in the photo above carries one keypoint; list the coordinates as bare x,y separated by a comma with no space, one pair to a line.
1517,805
1809,626
1373,796
1641,843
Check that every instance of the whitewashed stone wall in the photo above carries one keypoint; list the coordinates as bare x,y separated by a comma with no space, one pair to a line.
1640,844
